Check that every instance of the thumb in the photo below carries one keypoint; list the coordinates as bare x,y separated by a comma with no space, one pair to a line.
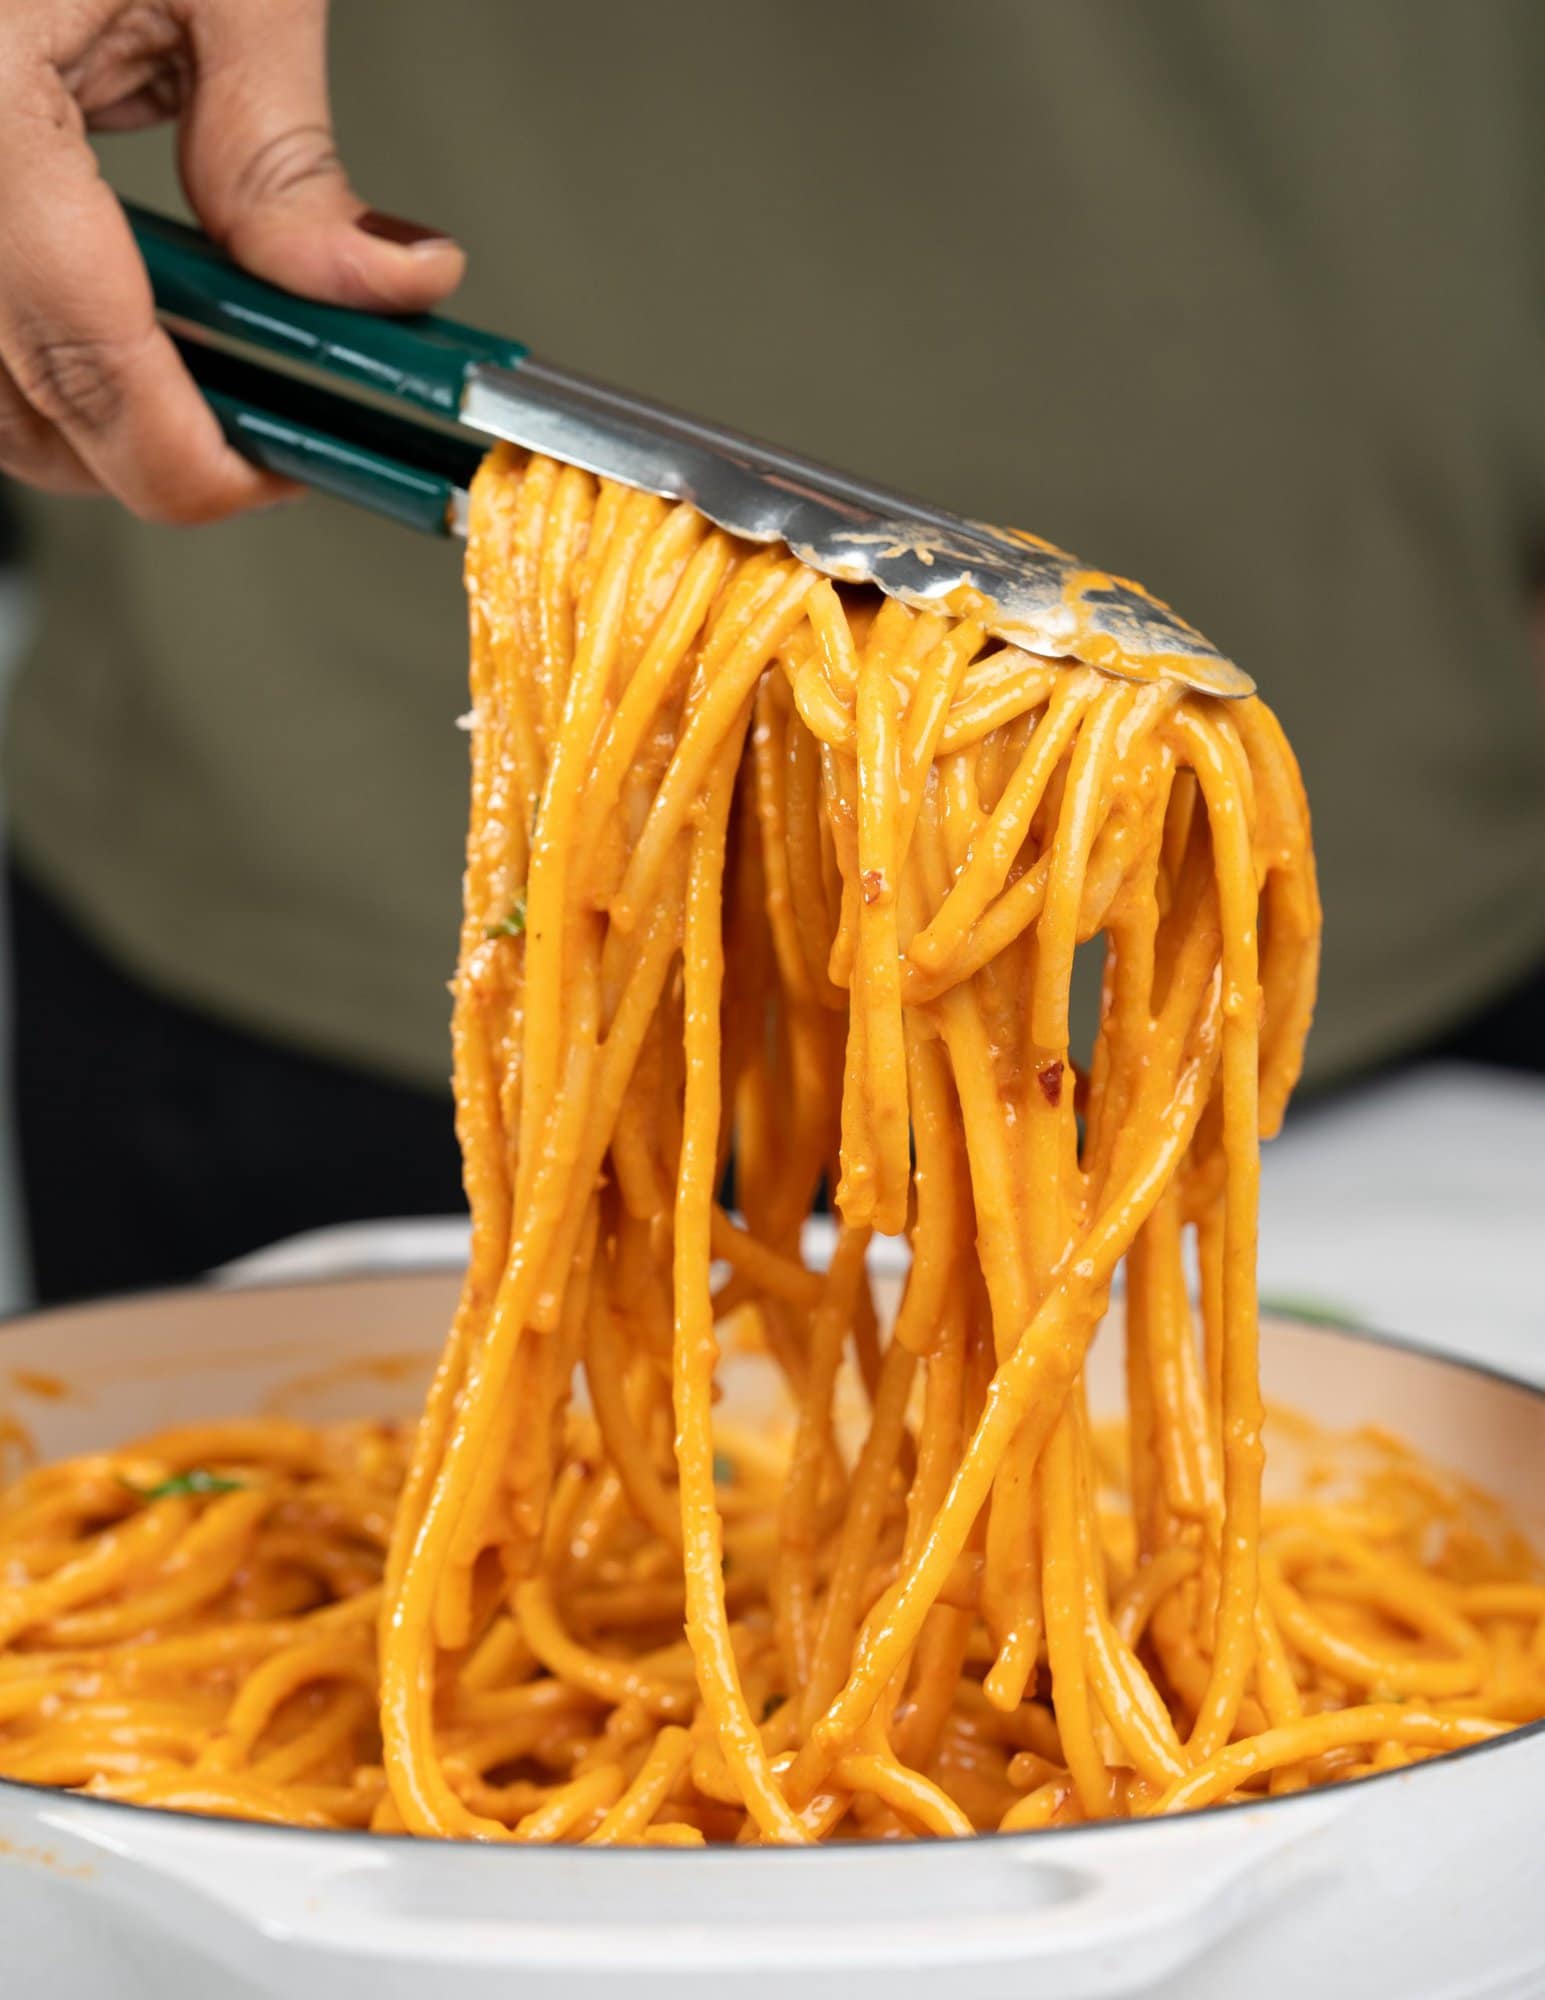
264,178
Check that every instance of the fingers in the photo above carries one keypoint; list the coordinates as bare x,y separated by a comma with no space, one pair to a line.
34,452
92,392
78,335
260,169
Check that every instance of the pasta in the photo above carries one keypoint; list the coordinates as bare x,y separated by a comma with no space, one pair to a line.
770,880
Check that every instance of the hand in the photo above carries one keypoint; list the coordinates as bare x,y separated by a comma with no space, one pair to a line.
93,397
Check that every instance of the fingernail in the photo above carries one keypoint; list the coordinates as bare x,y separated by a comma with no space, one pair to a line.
395,229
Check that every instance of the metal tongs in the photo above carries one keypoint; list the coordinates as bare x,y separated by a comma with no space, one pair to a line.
393,414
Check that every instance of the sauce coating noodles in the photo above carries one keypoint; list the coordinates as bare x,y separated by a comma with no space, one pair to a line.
767,877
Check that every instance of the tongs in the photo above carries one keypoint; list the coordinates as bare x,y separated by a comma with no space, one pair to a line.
394,414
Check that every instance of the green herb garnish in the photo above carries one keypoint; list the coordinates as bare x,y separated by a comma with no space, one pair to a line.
1316,1312
514,925
196,1482
723,1469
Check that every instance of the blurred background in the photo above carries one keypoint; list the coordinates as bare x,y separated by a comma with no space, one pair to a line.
1243,300
15,624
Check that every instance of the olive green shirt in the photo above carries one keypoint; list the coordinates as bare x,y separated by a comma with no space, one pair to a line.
1245,300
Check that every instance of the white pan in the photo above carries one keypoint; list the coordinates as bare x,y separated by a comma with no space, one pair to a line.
1421,1885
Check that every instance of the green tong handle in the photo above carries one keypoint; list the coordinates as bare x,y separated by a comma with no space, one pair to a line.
421,360
403,493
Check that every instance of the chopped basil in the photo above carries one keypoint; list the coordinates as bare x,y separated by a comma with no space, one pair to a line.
723,1469
182,1485
1317,1312
512,925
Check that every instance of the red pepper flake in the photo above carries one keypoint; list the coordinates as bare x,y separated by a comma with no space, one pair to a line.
873,881
1049,1077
